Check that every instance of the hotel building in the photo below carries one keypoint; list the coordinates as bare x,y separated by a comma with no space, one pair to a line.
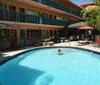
27,22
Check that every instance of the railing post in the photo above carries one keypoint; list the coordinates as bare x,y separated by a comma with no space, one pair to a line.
4,14
40,1
40,21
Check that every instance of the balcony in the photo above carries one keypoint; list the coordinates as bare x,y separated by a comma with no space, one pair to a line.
54,22
58,6
36,0
6,15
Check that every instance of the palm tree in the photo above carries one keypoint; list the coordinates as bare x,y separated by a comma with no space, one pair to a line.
92,15
97,2
93,19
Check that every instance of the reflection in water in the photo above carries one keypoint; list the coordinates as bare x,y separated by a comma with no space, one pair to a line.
44,79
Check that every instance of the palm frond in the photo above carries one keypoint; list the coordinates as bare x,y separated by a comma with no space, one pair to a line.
97,2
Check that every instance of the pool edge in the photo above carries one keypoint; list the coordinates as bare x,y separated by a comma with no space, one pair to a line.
35,48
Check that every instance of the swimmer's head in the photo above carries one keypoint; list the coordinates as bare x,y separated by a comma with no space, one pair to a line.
59,50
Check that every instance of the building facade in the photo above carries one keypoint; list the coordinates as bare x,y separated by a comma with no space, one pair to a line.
27,22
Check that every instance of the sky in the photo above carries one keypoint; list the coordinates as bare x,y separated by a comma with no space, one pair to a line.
80,2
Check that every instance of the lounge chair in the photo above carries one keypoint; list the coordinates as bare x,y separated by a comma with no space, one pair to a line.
83,42
96,42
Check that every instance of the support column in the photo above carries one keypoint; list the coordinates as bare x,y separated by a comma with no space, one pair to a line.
18,36
25,37
40,22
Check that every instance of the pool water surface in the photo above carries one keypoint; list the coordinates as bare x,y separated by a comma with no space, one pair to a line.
47,67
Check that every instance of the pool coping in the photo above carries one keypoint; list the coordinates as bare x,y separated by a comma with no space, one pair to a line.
2,61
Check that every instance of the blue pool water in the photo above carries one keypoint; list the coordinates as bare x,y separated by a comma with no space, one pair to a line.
46,67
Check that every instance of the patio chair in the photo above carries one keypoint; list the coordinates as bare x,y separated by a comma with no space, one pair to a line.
84,42
96,42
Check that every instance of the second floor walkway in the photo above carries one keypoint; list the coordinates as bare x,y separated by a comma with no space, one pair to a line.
7,15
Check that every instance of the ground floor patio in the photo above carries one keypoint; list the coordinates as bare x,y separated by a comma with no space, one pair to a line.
15,35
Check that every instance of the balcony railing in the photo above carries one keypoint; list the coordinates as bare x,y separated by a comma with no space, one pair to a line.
53,22
58,6
7,15
36,0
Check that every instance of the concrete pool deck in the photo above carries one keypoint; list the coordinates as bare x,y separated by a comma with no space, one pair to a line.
92,47
9,54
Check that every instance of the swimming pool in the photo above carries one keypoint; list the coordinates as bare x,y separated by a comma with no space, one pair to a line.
46,67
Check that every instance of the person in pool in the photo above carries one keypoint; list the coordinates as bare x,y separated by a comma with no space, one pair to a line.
59,51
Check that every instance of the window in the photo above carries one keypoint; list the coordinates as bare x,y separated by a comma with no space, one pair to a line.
2,6
22,10
32,12
59,18
65,19
55,17
50,16
51,33
44,15
44,34
33,34
12,8
4,34
22,34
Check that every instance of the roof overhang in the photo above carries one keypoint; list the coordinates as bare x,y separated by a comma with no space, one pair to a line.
70,3
85,5
77,25
5,26
15,25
